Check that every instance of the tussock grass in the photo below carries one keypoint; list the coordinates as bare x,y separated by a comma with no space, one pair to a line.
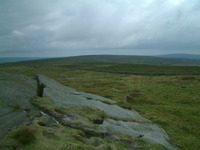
25,135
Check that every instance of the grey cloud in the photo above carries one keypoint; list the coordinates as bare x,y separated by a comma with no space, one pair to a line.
55,28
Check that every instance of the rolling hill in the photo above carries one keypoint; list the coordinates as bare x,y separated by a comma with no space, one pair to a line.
17,59
119,59
187,56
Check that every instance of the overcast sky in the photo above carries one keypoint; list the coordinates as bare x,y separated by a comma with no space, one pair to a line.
52,28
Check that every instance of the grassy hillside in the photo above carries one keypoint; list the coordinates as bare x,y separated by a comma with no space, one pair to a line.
17,59
133,68
170,101
188,56
120,59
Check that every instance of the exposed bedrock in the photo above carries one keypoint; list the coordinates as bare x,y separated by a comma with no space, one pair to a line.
146,131
15,93
17,90
63,95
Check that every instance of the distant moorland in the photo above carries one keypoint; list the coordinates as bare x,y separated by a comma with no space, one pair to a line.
171,59
17,59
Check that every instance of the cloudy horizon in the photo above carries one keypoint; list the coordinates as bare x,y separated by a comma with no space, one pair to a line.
49,28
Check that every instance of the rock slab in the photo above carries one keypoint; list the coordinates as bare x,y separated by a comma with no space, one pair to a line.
63,95
15,93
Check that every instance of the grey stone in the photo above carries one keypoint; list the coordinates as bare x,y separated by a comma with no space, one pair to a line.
18,89
140,93
4,111
10,121
146,131
63,95
63,76
15,93
40,87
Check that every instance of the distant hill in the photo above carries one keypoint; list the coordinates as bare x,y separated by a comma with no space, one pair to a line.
119,59
17,59
187,56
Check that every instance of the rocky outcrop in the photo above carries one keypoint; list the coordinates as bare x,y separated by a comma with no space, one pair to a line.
40,87
63,95
146,131
138,127
94,115
15,93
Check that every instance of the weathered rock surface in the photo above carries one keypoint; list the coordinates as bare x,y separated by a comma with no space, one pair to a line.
63,95
10,120
16,89
146,131
15,92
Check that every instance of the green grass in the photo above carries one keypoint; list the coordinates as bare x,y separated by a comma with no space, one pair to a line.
94,115
170,101
46,138
138,68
